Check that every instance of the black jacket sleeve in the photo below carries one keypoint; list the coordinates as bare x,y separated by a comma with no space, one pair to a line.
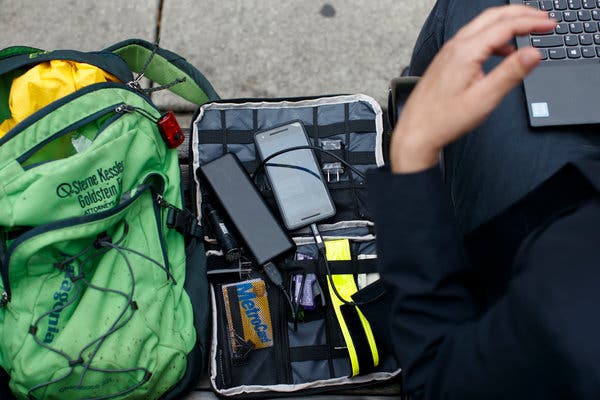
421,262
445,349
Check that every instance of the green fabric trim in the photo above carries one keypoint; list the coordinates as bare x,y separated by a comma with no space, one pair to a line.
109,62
5,84
17,50
163,72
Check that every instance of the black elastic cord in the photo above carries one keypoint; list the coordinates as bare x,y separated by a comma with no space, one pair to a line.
145,113
165,86
135,83
148,61
262,165
117,324
224,131
303,169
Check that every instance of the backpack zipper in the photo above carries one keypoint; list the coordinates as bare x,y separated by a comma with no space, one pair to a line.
90,118
3,295
126,108
36,116
157,201
119,110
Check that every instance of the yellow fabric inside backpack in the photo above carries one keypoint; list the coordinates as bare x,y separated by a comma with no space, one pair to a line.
47,82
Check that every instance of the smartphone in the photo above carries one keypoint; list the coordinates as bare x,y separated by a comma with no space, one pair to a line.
295,176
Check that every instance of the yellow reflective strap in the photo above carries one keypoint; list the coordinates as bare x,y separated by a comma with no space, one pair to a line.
344,288
339,250
370,337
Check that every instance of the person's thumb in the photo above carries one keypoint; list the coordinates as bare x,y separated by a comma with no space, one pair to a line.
490,90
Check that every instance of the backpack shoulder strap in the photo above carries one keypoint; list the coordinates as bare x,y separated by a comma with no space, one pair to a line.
164,68
16,57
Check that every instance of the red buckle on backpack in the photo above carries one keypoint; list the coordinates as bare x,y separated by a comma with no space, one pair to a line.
170,130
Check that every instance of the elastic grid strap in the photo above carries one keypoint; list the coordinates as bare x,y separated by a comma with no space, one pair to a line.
253,164
283,373
316,129
314,353
254,122
367,266
347,158
244,136
330,332
224,131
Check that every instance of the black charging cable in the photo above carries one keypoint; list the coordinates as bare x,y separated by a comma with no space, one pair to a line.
270,268
264,162
275,277
323,252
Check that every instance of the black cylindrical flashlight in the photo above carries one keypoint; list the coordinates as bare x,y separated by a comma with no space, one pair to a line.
230,247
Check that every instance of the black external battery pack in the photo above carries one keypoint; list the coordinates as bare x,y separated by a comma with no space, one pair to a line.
255,223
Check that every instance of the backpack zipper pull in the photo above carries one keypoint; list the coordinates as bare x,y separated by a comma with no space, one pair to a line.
124,108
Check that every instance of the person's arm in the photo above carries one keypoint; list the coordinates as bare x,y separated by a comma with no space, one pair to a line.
421,262
446,351
420,248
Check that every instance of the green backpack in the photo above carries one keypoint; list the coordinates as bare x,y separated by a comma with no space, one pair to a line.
103,288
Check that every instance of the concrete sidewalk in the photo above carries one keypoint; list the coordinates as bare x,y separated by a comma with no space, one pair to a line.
246,48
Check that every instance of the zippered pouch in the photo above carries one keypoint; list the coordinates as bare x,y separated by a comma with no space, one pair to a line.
262,343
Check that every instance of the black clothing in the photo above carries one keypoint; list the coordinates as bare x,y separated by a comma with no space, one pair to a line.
507,311
502,159
529,332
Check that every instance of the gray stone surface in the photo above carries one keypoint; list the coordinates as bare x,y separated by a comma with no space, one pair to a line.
246,48
204,395
75,24
273,48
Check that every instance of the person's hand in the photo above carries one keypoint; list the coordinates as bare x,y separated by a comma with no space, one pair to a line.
455,95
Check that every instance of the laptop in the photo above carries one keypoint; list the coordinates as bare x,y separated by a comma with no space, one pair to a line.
565,88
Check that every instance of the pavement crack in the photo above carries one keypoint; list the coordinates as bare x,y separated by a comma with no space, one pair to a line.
159,13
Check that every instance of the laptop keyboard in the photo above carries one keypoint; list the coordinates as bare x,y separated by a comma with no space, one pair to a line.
577,34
